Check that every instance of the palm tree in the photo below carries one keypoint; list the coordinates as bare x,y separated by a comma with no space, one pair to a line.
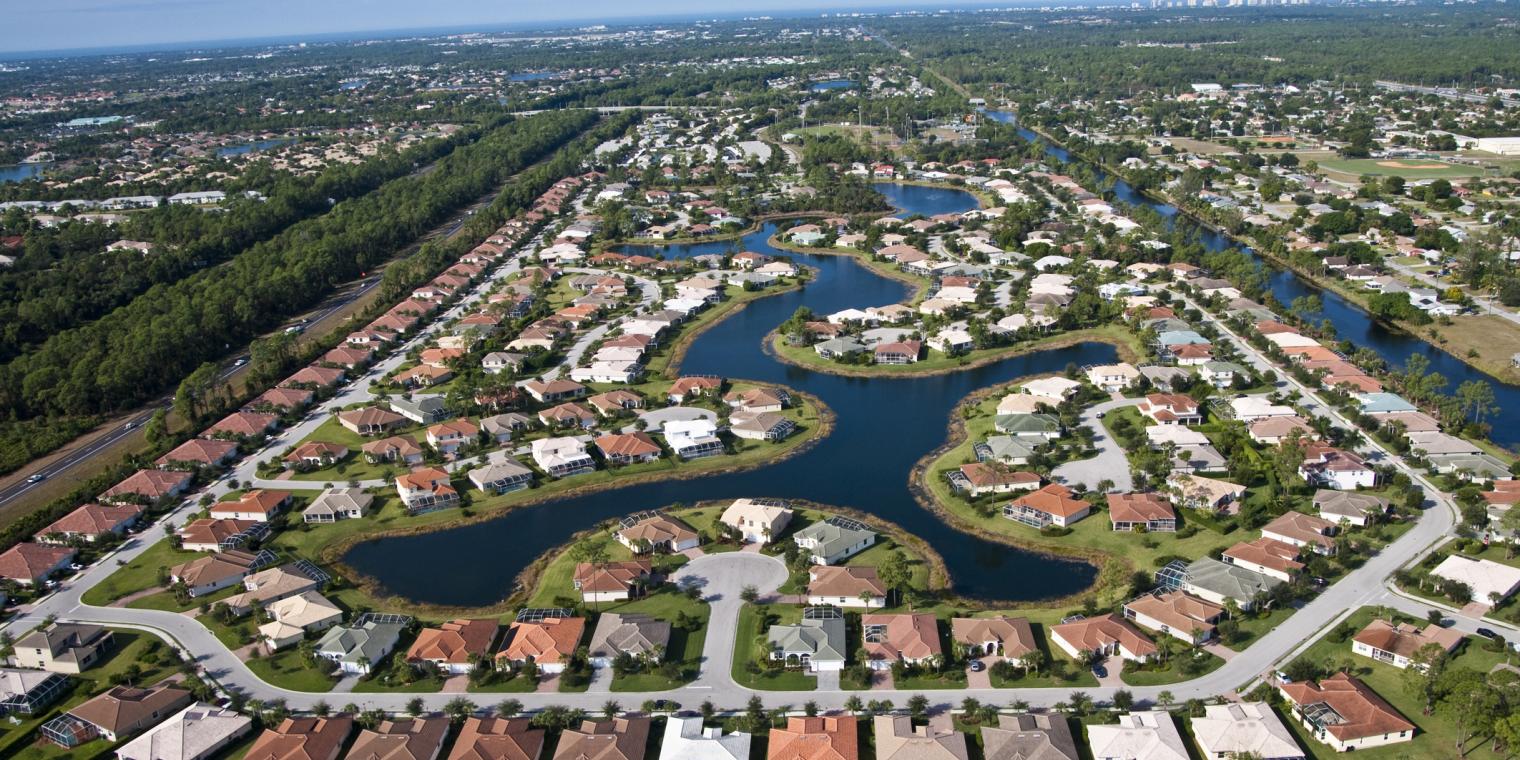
611,708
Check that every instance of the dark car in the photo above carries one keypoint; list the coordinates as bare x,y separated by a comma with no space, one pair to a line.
977,666
1099,671
1487,633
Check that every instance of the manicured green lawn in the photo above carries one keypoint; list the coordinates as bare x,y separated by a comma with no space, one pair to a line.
139,574
504,685
747,649
288,670
939,362
354,467
685,646
1173,672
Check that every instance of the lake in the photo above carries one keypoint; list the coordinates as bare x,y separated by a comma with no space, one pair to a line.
250,147
883,427
20,172
832,84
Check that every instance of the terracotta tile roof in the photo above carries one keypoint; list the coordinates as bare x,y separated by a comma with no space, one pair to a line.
1178,611
94,519
1363,713
1404,639
636,444
822,738
1015,634
658,530
498,739
402,739
455,642
151,484
1267,552
844,581
243,423
123,709
1094,633
1302,528
265,502
208,530
983,475
29,562
302,739
610,576
1139,507
198,450
1053,499
906,637
548,641
616,739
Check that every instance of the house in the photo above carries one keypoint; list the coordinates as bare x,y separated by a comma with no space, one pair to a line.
1175,613
1253,408
628,448
548,643
370,420
450,436
562,457
568,415
637,635
760,426
1150,735
62,648
402,739
199,452
243,424
1220,582
1344,713
1303,530
1267,556
612,581
616,402
498,739
694,438
1274,430
757,521
1329,467
295,616
502,477
336,504
118,713
208,535
455,646
1106,635
1171,409
1112,378
898,739
845,587
258,505
834,737
658,532
401,449
834,540
687,739
426,489
813,644
1220,374
1035,427
1006,450
303,739
1244,729
758,399
29,564
29,692
1030,736
91,521
1396,644
215,572
501,427
616,739
270,585
316,454
423,410
148,487
1141,511
979,479
1349,507
911,639
1053,390
838,348
358,647
1490,581
693,387
1198,492
1009,638
897,352
1054,504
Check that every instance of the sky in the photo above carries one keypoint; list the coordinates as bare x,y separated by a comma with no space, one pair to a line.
35,25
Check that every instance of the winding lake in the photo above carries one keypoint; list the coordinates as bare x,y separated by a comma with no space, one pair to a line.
1351,321
883,426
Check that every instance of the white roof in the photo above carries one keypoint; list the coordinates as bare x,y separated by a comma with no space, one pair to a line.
1237,729
303,609
1176,434
1147,735
1291,340
686,739
1051,387
552,451
748,509
1485,577
1019,403
193,732
1257,407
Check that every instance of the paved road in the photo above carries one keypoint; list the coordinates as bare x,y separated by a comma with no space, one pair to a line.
1110,463
84,454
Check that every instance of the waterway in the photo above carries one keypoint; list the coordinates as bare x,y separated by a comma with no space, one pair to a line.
832,84
883,426
1350,321
251,147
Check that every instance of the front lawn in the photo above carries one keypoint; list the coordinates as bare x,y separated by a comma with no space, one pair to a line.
748,645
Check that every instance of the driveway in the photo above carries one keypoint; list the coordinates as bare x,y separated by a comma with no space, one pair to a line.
1110,463
722,578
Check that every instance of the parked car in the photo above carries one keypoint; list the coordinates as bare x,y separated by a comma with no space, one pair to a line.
1487,633
977,666
1099,671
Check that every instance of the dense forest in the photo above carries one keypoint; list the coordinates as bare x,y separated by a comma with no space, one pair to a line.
145,347
65,277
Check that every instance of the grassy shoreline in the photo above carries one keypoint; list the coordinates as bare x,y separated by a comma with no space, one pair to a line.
805,357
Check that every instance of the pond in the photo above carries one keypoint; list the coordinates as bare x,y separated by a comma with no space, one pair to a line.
883,427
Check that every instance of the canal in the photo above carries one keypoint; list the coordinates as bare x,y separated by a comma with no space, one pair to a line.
883,426
1350,321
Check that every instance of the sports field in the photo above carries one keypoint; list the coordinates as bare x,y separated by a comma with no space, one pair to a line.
1403,167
